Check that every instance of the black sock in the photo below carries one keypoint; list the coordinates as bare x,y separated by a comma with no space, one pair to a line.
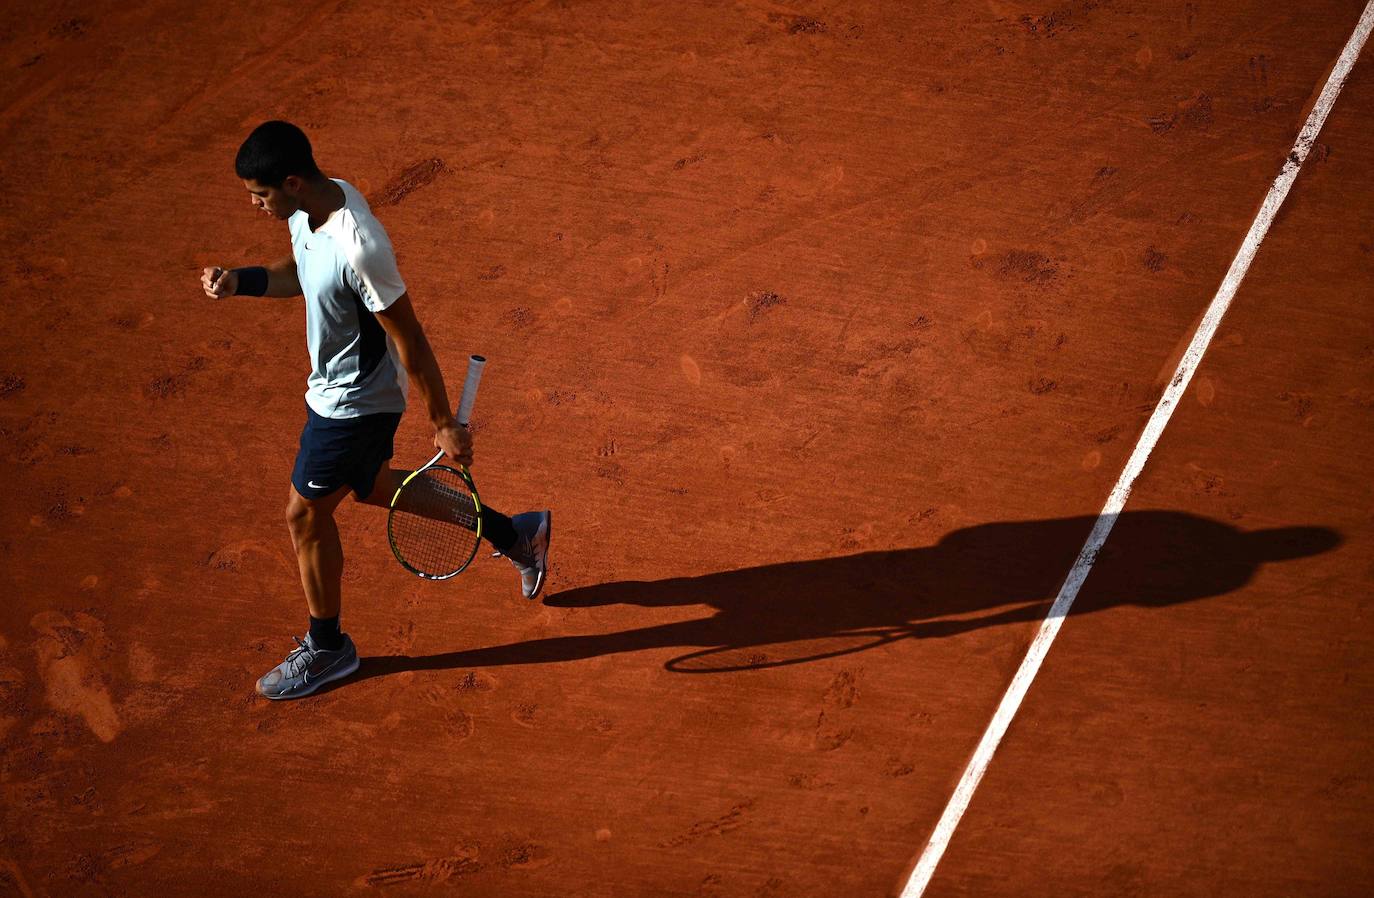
324,632
497,529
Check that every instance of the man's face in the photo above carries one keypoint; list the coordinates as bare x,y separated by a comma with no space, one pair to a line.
279,202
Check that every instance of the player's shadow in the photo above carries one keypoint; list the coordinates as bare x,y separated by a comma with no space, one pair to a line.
980,576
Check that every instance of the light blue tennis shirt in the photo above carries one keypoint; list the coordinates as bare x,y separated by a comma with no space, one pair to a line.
347,271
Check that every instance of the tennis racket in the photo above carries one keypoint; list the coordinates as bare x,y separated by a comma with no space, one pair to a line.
435,521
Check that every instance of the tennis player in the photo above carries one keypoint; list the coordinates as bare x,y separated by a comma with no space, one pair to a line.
366,346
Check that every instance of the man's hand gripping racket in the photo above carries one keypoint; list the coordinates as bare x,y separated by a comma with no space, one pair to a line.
435,521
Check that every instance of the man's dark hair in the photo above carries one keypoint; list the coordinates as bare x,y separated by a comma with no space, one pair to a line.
274,151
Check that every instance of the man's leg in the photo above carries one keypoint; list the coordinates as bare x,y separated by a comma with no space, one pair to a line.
319,552
326,653
524,539
496,527
385,486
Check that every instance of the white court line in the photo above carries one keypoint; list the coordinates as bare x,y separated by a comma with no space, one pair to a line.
1011,701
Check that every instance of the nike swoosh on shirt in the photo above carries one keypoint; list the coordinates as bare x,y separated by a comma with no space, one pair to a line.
314,486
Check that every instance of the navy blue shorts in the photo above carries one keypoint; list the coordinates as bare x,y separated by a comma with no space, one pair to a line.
339,452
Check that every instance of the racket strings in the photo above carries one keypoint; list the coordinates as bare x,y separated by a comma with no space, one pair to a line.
434,521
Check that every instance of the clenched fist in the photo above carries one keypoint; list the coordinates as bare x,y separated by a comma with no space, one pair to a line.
218,282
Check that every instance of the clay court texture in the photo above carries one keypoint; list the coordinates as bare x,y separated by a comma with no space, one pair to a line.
827,330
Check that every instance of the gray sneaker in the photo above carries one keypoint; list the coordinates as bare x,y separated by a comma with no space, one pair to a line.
530,554
307,669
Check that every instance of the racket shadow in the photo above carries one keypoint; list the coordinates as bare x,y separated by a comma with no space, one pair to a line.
987,575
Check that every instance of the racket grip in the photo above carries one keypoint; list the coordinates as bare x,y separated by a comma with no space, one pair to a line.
475,365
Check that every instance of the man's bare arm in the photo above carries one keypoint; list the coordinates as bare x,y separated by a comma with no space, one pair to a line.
417,356
282,280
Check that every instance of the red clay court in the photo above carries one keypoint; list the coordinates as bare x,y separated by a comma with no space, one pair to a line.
828,330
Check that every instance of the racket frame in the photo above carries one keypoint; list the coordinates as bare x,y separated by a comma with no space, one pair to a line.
462,472
476,364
